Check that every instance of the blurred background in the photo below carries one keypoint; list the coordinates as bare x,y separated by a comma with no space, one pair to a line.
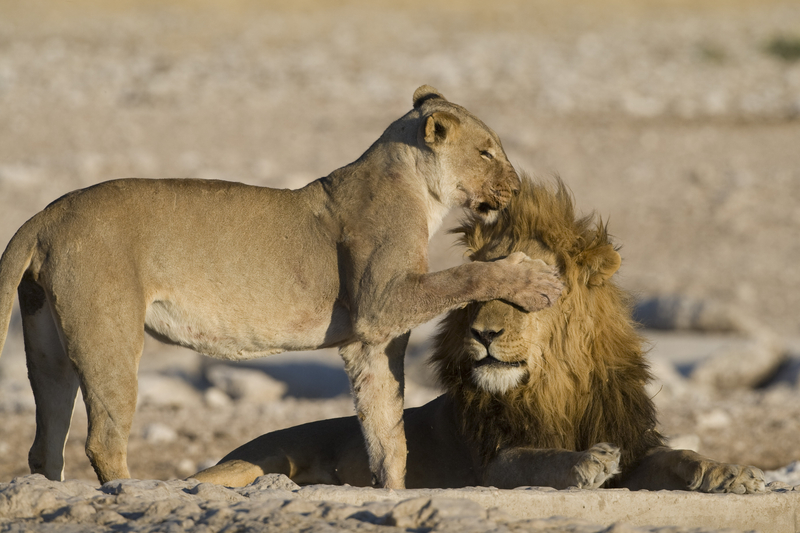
677,120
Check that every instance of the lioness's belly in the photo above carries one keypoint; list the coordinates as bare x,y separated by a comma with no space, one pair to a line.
228,336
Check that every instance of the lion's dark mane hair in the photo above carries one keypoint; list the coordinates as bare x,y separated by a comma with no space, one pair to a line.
591,384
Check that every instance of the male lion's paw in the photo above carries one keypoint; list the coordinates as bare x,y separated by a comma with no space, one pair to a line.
595,467
534,284
728,477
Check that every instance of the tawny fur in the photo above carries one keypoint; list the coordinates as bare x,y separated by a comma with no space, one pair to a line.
236,272
574,411
585,383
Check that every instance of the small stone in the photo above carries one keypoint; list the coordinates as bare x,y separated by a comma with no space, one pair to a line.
186,467
158,433
300,507
108,517
715,419
243,384
216,398
166,391
81,512
209,491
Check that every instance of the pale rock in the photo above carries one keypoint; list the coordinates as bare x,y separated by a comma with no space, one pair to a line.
80,512
245,384
300,507
145,490
272,482
678,312
158,433
166,391
149,506
209,491
108,517
187,467
216,398
34,494
714,419
744,364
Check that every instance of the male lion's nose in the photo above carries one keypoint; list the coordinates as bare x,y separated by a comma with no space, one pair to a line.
486,336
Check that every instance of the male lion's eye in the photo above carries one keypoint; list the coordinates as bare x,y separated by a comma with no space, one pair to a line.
487,155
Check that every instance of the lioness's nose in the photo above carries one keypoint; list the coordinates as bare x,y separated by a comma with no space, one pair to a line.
486,336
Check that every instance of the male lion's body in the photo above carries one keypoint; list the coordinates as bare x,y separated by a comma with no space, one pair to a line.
531,398
236,271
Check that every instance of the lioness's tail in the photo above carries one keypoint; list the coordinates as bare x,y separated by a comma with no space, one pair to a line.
13,264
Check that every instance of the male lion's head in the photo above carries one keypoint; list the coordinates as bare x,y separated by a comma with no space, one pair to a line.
471,167
560,377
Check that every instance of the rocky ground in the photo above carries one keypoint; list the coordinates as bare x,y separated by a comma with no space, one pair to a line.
677,121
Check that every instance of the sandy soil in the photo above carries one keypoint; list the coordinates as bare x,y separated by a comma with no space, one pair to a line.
671,119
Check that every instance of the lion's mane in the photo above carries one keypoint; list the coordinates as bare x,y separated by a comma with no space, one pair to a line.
591,387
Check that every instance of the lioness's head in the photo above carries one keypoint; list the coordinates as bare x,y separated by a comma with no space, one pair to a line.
470,167
497,349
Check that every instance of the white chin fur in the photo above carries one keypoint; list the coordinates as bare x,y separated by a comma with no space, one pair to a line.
497,380
489,217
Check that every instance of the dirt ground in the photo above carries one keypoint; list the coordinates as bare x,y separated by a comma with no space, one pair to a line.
677,121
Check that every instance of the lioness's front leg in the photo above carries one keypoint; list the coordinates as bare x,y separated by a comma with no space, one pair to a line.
517,467
530,284
376,376
665,468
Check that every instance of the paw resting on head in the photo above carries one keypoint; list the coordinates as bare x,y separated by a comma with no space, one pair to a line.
534,284
728,477
596,465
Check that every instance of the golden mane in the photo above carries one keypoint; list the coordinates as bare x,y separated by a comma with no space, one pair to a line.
590,386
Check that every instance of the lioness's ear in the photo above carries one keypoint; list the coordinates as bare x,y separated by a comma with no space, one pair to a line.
440,126
425,93
600,264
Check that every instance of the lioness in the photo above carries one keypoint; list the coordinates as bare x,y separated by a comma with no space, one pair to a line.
531,399
237,272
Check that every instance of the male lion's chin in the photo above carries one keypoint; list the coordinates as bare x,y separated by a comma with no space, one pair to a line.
486,210
497,380
489,216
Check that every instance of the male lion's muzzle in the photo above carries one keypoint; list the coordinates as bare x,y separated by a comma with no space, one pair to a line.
497,194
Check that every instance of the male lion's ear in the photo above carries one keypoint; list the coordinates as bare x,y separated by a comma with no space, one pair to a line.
600,264
425,93
440,126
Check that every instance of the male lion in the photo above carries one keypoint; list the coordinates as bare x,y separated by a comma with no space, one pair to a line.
531,399
237,272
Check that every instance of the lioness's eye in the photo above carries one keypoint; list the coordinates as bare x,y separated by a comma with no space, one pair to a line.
487,155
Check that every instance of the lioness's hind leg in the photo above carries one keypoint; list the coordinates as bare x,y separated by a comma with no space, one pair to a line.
110,396
596,466
106,352
53,380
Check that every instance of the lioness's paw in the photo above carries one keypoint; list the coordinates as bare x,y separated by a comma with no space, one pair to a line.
534,284
595,467
728,477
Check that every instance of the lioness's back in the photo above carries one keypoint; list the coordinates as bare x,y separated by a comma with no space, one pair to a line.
173,244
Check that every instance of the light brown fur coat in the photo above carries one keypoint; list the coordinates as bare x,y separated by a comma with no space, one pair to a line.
554,398
236,272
